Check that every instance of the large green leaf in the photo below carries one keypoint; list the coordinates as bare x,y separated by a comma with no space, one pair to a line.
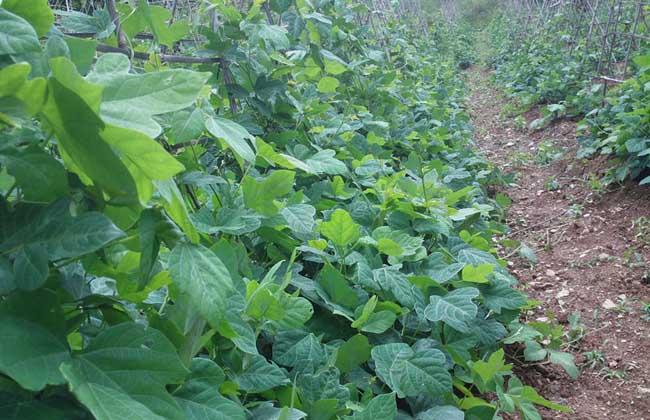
455,308
391,279
36,12
446,412
304,354
353,353
299,217
30,267
411,373
323,385
382,407
132,100
198,397
123,373
63,235
17,36
234,135
260,196
499,295
40,176
103,397
198,272
33,344
210,405
324,162
260,375
78,129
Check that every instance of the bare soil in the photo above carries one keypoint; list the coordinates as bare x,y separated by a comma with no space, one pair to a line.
592,246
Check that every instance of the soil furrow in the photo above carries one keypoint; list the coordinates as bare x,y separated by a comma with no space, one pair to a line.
592,244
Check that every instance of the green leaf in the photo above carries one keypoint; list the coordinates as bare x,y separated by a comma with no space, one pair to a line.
528,393
61,234
444,412
210,405
328,85
33,345
353,353
260,196
103,397
477,274
411,373
368,309
186,125
566,360
340,229
78,129
389,247
391,279
499,295
299,217
488,370
174,205
266,411
234,135
297,311
13,77
149,244
324,162
39,175
236,222
323,385
304,354
198,272
442,273
17,36
455,308
127,366
407,244
337,287
132,100
260,375
82,52
476,257
36,12
144,157
333,64
534,352
263,305
527,252
31,267
7,279
382,407
379,322
198,397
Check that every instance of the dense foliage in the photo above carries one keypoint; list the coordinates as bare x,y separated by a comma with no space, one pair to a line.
558,69
288,223
619,125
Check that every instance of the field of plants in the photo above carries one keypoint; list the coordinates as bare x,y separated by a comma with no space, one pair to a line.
277,210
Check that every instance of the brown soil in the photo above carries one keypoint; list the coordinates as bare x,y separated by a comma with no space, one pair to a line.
585,241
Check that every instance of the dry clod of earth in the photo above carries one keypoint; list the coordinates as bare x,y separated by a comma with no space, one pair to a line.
591,259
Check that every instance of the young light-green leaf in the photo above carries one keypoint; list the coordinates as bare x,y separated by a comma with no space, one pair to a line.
340,229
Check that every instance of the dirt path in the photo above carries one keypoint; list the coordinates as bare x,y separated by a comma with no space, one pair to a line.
592,247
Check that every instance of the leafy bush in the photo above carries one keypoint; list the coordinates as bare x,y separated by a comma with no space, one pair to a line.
294,225
620,127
